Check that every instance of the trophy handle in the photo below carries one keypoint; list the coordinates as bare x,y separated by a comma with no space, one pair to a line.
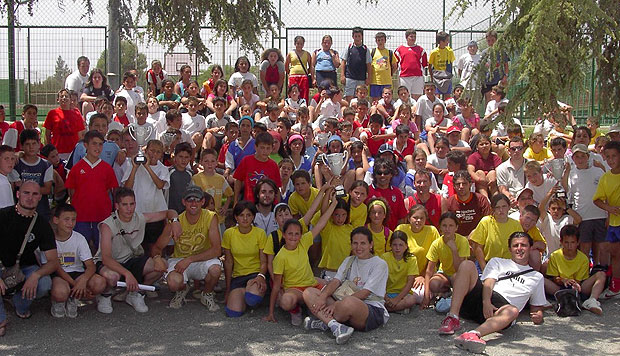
346,161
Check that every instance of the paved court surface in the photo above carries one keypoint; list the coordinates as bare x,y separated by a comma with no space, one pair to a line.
192,330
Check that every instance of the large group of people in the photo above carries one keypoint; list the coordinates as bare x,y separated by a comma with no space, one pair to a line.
347,205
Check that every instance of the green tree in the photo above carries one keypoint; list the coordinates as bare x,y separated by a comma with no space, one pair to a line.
131,58
61,71
551,43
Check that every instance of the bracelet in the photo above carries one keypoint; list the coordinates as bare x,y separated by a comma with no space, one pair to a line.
262,275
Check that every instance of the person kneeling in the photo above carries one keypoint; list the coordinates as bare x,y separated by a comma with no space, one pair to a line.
365,275
75,278
496,301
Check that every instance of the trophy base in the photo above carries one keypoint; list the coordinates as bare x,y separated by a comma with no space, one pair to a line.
340,192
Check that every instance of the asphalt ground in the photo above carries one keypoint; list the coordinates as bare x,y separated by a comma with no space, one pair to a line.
192,330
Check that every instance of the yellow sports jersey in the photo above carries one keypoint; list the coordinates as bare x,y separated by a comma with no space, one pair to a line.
195,238
358,215
269,244
335,245
440,57
398,271
245,249
217,186
419,242
299,205
578,268
381,66
294,265
380,241
544,154
440,252
536,235
494,236
609,190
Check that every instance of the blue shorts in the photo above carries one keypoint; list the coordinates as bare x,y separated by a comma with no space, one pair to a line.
613,234
376,90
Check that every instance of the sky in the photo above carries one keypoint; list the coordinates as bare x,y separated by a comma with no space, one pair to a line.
311,20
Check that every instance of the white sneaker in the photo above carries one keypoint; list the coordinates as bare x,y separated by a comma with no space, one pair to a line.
608,293
179,298
136,300
104,304
593,305
58,309
297,318
208,300
342,333
72,308
312,322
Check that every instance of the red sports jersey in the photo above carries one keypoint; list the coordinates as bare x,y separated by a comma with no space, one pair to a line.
91,197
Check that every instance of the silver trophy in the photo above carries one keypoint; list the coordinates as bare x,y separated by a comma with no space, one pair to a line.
557,167
337,163
141,134
322,138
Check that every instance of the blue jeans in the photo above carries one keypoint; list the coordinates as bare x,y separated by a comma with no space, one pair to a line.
23,305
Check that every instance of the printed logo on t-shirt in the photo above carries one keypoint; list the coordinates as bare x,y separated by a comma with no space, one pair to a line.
256,176
67,259
82,171
394,198
31,237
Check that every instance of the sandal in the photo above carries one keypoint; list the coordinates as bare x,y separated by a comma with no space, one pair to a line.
24,316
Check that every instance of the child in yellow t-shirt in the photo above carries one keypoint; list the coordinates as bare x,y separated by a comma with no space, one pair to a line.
378,215
536,148
448,251
607,197
291,267
245,264
357,195
402,272
335,238
420,236
214,183
569,268
441,59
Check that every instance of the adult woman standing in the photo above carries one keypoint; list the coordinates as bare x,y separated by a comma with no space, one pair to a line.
325,61
96,86
298,66
185,74
363,310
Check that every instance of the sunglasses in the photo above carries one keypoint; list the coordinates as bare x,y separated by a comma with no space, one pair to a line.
383,173
516,149
193,200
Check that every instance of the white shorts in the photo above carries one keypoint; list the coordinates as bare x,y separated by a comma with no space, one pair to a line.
196,270
415,85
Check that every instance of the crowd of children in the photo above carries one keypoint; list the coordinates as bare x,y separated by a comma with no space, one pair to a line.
289,188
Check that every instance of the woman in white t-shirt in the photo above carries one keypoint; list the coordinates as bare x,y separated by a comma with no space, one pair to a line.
366,275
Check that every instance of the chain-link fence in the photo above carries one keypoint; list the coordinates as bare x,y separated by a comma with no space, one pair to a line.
45,55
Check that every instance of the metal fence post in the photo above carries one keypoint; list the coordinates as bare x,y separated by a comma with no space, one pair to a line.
29,77
11,51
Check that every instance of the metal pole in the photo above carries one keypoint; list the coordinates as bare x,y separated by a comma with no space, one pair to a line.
443,19
114,46
279,26
11,37
29,68
592,88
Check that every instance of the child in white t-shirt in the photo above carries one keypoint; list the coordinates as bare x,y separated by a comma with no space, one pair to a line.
76,276
293,103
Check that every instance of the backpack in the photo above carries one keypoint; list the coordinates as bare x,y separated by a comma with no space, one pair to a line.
390,54
568,303
276,242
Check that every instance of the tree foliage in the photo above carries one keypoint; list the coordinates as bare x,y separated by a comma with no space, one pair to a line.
551,42
130,59
61,70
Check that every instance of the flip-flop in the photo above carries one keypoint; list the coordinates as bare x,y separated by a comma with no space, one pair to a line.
24,316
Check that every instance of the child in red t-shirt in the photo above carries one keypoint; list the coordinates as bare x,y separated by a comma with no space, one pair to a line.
255,167
120,108
63,125
375,135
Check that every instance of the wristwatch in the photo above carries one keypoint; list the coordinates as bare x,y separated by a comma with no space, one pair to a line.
174,220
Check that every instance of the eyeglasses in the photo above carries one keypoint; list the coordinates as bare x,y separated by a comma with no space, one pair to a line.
383,173
516,149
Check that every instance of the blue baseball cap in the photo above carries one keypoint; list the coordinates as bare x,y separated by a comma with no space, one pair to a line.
246,117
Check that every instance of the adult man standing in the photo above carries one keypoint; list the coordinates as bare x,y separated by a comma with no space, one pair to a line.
496,299
468,206
466,65
510,174
14,224
265,198
77,80
196,252
120,254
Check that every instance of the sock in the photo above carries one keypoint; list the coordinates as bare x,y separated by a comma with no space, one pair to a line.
295,310
333,325
614,286
454,316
